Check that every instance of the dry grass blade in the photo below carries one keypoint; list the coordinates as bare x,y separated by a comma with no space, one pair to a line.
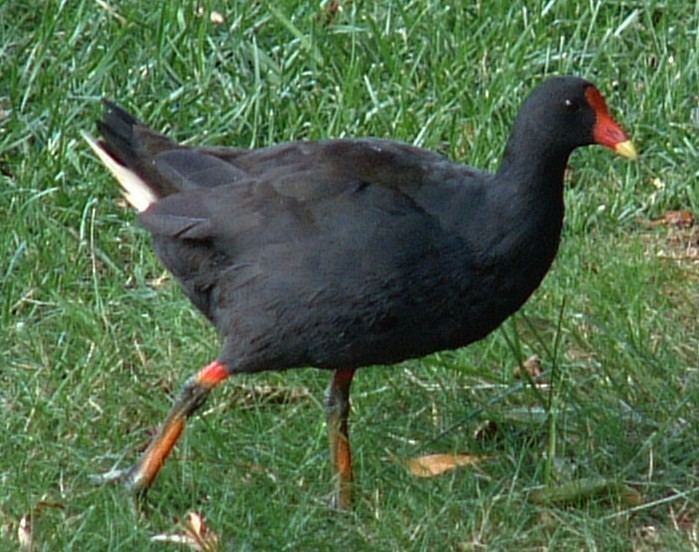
196,535
246,395
111,11
25,534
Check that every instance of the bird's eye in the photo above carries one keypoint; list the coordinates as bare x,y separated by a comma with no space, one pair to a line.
570,105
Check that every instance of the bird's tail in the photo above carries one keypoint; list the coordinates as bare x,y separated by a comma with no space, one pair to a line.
127,149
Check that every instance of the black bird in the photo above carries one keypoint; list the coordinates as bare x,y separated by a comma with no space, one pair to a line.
340,254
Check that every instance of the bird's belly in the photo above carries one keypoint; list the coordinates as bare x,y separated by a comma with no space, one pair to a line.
301,320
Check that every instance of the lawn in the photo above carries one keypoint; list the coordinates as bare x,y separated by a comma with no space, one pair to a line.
95,337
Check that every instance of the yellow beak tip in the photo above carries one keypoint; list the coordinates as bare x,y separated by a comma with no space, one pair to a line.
627,149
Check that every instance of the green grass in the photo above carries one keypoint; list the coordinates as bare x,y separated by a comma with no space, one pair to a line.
92,343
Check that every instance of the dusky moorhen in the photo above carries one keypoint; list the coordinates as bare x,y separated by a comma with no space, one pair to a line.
340,254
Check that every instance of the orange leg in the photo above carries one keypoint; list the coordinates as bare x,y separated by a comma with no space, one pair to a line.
193,394
337,408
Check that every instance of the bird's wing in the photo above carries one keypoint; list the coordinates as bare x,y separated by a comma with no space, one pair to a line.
286,191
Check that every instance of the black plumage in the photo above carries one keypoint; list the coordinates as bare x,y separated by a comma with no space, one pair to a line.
340,254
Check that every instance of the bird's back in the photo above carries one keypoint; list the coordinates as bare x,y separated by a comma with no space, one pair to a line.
336,253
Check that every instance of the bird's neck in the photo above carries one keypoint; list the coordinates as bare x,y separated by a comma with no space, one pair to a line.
530,179
527,198
534,158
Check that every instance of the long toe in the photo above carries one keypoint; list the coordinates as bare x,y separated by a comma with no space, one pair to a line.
112,476
129,477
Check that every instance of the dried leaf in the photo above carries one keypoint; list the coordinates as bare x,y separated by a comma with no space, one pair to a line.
531,366
25,530
682,241
24,534
196,535
582,489
432,465
682,218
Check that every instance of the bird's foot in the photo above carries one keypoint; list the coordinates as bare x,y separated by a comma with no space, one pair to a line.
340,504
129,478
112,476
340,500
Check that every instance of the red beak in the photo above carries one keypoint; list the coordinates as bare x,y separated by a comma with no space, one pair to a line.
607,131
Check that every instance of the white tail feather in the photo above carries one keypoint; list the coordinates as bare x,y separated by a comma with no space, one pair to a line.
134,188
